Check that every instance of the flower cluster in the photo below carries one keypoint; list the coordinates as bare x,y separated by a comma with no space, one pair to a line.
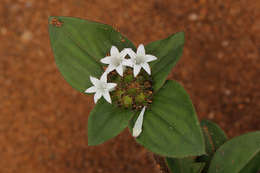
119,61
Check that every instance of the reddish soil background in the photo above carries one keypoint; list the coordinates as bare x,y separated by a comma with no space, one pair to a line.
43,120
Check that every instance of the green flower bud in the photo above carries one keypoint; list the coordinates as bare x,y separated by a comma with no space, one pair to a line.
119,94
140,98
131,92
127,101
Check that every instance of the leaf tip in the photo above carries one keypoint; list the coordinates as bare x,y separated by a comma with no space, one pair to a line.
181,36
55,22
92,141
91,144
182,33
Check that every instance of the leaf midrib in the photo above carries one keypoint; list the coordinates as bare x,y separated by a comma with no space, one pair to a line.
80,47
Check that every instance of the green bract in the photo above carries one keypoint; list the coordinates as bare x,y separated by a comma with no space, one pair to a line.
170,125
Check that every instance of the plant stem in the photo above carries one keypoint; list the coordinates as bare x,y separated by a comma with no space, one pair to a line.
161,164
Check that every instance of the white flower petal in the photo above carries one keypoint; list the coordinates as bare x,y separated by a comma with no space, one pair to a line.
101,87
92,89
123,53
124,68
106,95
94,80
137,69
111,86
106,60
149,58
114,51
140,50
97,96
110,68
138,124
104,77
127,62
119,70
131,53
146,67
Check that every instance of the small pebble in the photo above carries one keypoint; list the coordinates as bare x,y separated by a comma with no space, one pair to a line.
220,55
211,115
193,17
225,43
227,92
26,36
3,31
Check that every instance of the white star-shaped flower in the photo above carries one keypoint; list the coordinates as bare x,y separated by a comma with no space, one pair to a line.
139,60
138,124
101,88
115,60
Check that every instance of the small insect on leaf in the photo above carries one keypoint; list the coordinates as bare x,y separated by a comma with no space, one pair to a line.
55,22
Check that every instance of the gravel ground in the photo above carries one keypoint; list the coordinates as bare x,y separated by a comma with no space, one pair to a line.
43,120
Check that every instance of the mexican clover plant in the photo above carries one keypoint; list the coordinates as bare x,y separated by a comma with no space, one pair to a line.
131,90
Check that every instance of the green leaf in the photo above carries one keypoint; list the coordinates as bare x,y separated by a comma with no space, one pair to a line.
106,121
214,138
171,127
185,165
179,165
197,167
168,51
236,154
253,166
78,46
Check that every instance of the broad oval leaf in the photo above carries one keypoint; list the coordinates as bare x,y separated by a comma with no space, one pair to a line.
236,154
106,121
168,51
171,127
78,46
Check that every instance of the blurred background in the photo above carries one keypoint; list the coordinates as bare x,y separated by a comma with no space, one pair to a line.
43,120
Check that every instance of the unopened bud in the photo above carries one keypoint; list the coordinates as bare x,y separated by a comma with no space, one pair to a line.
127,101
140,98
